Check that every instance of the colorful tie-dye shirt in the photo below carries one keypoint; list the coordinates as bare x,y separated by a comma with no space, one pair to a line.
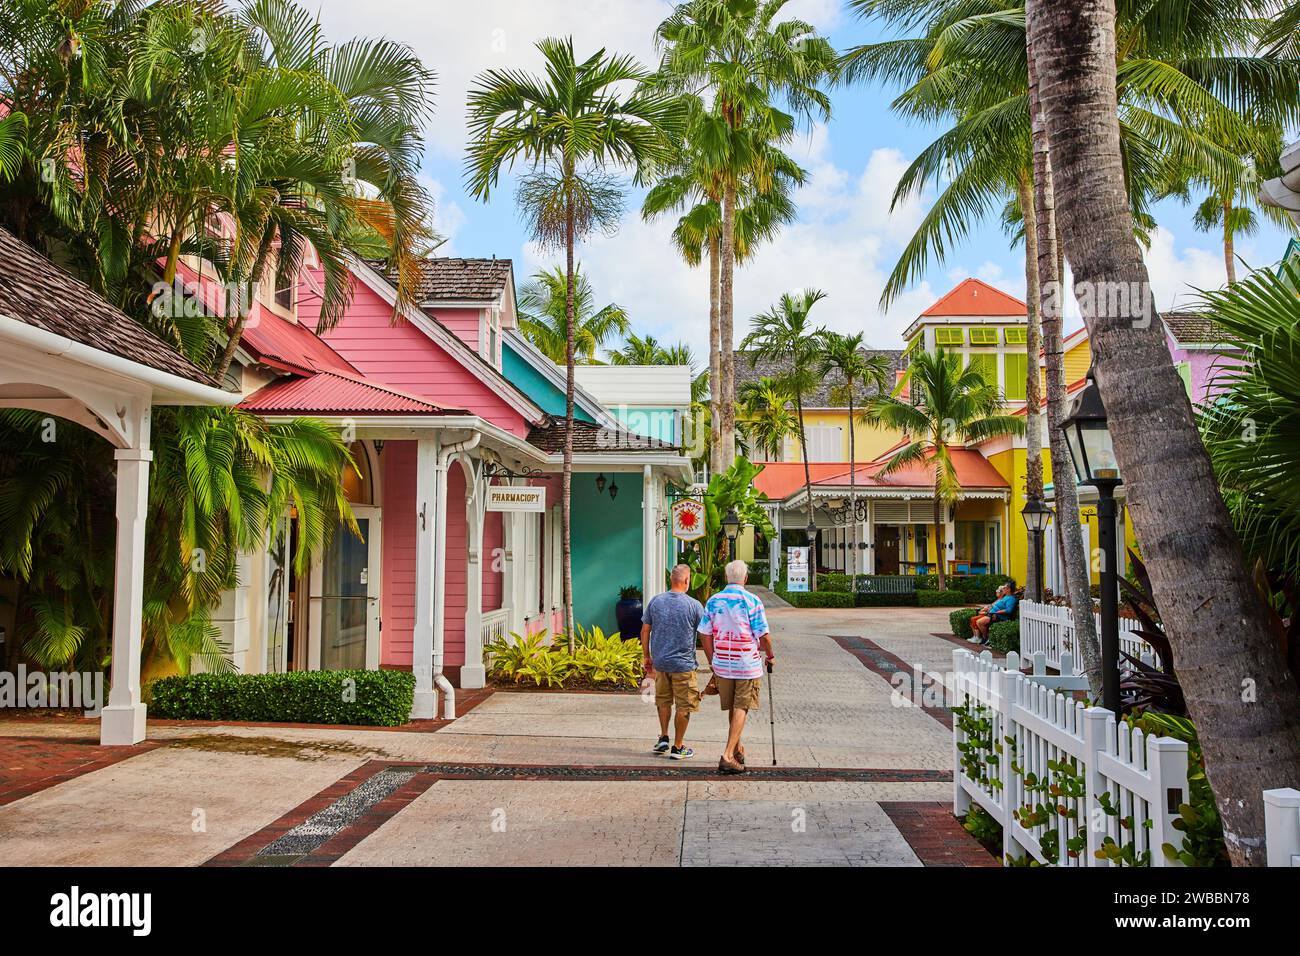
735,620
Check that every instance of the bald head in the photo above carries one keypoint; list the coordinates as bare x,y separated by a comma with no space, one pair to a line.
680,577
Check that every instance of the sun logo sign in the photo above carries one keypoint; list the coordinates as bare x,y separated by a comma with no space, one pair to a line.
688,519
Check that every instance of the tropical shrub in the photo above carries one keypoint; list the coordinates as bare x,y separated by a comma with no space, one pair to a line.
759,569
948,598
979,824
980,588
960,620
1005,636
1199,820
597,658
817,598
728,490
374,698
886,600
507,656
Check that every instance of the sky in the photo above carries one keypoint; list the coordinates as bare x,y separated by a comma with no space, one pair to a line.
846,238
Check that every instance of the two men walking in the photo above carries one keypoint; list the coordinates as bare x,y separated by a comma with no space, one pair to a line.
733,630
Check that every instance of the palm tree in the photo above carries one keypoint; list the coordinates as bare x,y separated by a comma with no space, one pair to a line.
569,128
784,334
735,54
543,311
765,204
953,407
1238,691
844,356
644,350
769,421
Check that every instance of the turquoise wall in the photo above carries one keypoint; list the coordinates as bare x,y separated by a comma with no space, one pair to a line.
660,423
606,546
528,380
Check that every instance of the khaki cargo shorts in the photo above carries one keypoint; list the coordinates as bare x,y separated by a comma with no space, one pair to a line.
739,693
678,689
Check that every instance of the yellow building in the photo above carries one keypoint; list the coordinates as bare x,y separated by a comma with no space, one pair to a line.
894,514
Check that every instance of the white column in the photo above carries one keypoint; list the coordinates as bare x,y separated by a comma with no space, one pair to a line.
532,556
774,549
231,617
869,536
425,706
649,586
123,720
472,672
950,535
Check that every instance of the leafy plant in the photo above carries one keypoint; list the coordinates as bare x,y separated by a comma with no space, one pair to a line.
550,668
1004,636
508,656
732,489
949,598
630,592
979,824
960,621
1199,820
380,698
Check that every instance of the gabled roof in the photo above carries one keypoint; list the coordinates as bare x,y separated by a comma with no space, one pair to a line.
973,471
458,280
1194,328
530,353
748,370
973,297
277,341
334,393
589,438
36,292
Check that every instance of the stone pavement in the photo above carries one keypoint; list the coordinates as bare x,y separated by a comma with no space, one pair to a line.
535,778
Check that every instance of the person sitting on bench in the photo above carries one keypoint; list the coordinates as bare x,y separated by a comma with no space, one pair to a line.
1000,610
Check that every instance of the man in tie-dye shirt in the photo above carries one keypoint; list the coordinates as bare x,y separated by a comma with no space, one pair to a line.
734,633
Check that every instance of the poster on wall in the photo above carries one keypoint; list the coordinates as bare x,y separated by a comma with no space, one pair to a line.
796,564
688,519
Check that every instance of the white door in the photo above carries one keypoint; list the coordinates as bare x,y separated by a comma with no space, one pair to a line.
345,592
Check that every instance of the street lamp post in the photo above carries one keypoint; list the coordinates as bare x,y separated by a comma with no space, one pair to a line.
1037,516
1093,455
731,527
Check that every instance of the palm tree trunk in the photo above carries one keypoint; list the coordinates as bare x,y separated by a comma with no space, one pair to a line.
715,358
566,521
853,499
1229,256
1075,563
807,485
726,327
940,542
1239,693
1033,344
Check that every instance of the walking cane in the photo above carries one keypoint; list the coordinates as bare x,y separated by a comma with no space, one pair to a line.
771,714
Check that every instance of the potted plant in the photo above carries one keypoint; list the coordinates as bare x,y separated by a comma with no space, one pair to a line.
628,612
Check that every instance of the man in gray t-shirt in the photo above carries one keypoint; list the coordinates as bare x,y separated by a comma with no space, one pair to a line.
668,639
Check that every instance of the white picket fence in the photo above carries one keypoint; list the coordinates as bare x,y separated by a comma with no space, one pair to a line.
1098,780
1049,629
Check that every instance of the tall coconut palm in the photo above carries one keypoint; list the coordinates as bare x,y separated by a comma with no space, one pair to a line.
765,402
543,317
736,54
765,204
784,334
570,128
953,407
844,357
1238,691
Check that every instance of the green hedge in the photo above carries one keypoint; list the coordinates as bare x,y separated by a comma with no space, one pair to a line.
886,600
949,598
816,598
980,588
758,570
960,621
1005,636
375,698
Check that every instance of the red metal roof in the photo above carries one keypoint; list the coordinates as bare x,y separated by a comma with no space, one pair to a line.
279,341
333,393
975,298
778,479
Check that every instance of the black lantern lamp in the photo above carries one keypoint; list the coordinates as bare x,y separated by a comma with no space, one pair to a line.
1093,455
613,489
1037,517
731,528
600,483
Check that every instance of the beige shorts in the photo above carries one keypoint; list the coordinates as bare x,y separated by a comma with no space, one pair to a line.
738,693
677,689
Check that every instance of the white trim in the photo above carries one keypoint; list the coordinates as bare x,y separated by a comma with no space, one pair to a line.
552,373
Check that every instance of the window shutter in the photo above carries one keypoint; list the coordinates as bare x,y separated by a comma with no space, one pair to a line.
949,336
983,336
1016,335
1015,373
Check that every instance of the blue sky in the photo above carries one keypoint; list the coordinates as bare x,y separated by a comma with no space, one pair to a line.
846,239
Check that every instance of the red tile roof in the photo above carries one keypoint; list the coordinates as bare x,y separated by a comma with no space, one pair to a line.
781,479
333,393
975,298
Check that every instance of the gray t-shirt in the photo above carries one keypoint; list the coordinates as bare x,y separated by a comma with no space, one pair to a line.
673,617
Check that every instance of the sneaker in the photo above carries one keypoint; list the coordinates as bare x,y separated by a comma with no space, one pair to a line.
730,769
661,747
974,640
681,753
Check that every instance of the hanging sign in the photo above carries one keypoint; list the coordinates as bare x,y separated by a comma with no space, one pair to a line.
516,498
796,569
688,519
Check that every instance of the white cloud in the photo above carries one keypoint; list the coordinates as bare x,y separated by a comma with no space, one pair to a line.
448,216
1177,275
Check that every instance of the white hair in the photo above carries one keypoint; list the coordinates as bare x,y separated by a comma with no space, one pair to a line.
680,573
736,572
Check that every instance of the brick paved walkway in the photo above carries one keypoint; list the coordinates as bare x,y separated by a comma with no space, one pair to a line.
860,780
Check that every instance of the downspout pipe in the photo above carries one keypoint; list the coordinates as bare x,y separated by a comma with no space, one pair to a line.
445,455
